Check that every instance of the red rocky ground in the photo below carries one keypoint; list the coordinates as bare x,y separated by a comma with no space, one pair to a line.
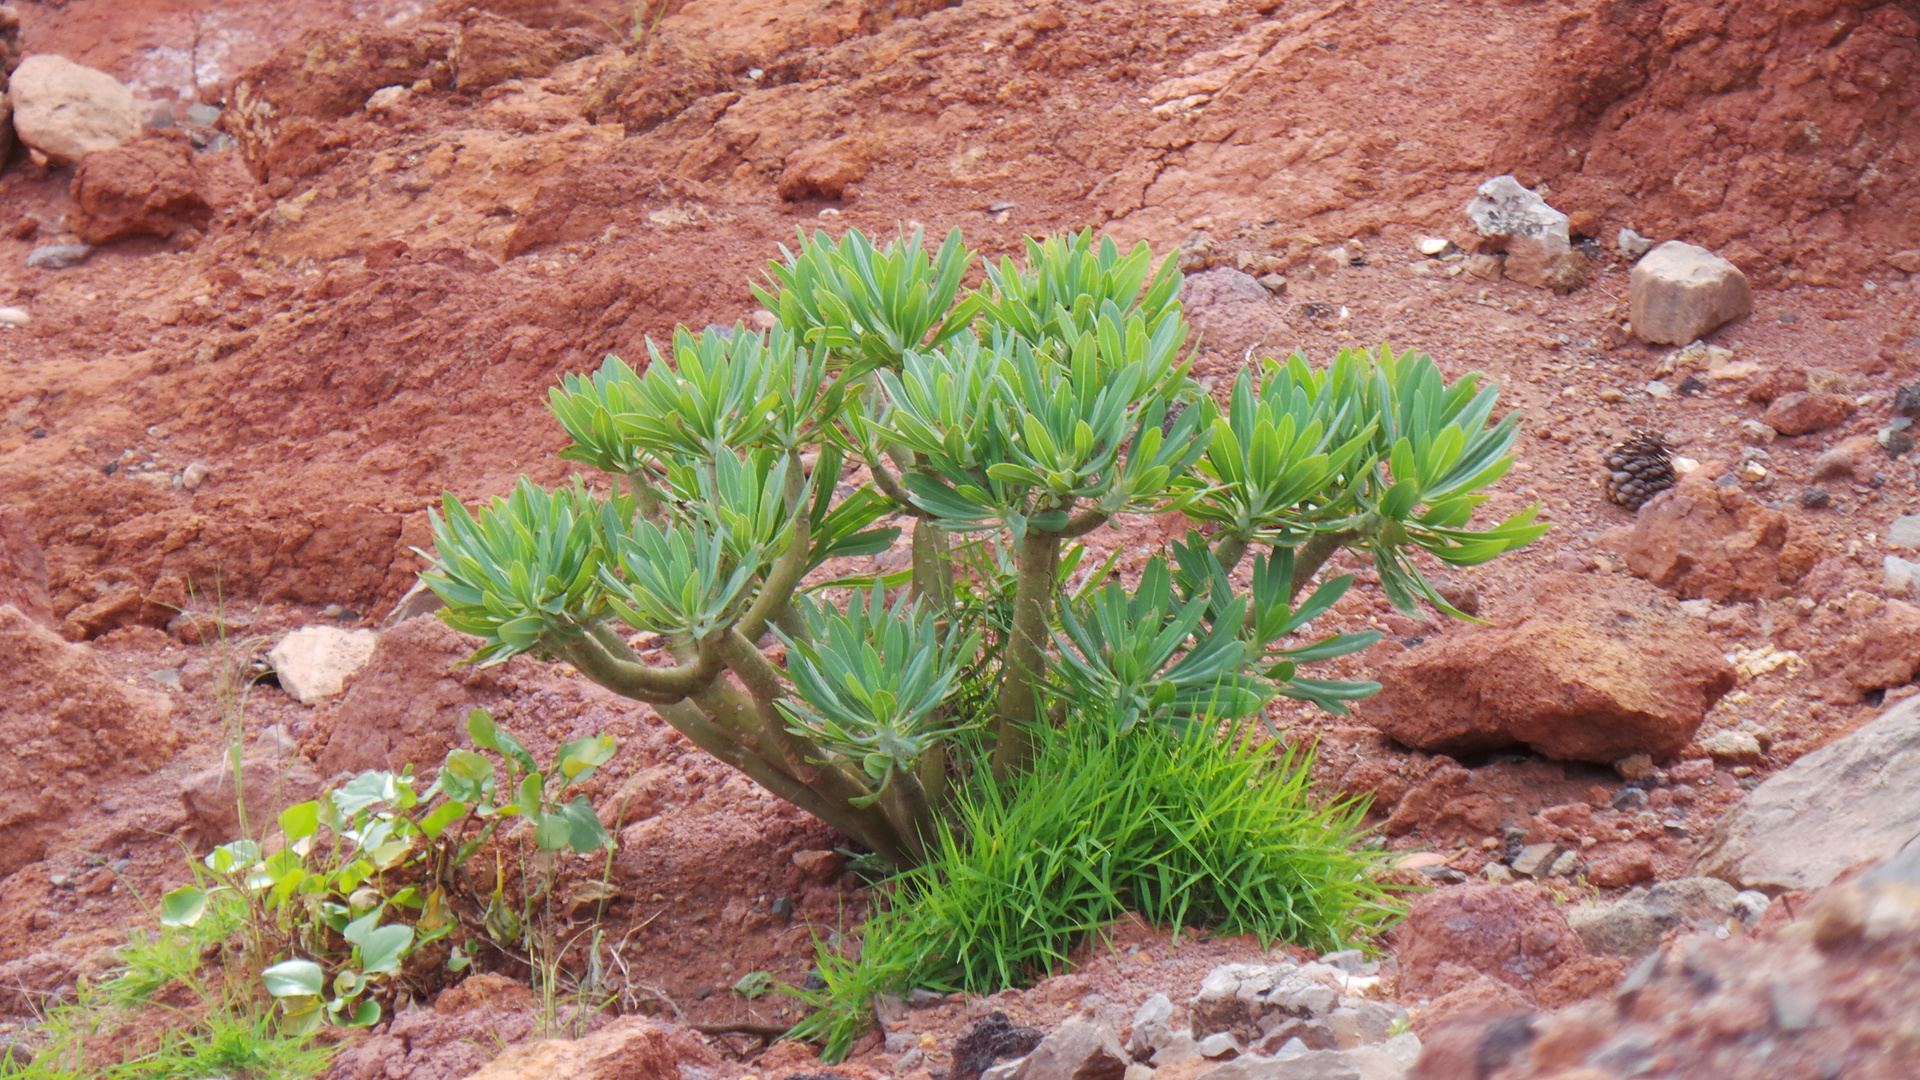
346,311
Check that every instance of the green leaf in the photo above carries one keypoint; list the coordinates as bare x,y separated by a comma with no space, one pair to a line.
183,906
294,978
300,820
576,760
367,1015
481,729
554,832
754,984
585,833
383,950
443,815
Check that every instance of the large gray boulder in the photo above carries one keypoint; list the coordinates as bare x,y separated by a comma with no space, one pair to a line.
1854,799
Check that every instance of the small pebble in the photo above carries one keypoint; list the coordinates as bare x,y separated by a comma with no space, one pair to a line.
57,256
1816,498
13,316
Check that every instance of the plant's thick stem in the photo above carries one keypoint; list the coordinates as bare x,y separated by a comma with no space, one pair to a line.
1019,704
1228,551
932,566
690,720
603,657
1312,555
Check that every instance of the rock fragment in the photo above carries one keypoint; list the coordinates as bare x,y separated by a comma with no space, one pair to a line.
66,110
1854,799
57,256
315,663
1585,668
1805,413
1681,293
1534,236
1631,244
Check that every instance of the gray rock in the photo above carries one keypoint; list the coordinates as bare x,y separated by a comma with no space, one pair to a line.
1749,906
1699,900
1854,799
1220,1044
1312,1000
922,998
1006,1070
1564,865
1904,532
57,256
1137,1071
1179,1047
195,474
1348,960
1345,1025
1081,1049
1632,244
1626,927
1680,293
1535,234
1753,431
1634,924
1535,859
1152,1027
13,316
415,602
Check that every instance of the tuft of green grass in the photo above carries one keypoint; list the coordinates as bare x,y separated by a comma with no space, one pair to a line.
1188,830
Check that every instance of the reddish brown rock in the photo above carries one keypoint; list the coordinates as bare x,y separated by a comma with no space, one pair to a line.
70,723
489,50
1804,413
824,169
282,111
1777,383
148,187
1509,933
656,80
1232,313
1628,867
271,784
409,704
1880,652
1585,668
1698,539
23,567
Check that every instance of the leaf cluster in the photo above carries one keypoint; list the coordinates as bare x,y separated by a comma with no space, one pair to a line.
368,877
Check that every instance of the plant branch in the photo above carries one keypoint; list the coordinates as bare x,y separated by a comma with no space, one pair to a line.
1229,550
620,671
1083,523
776,592
691,721
889,486
1312,555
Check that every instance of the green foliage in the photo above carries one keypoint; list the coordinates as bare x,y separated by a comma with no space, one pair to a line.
369,878
221,1033
1186,829
874,680
1003,422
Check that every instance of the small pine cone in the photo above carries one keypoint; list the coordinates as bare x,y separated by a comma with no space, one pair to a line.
1638,468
